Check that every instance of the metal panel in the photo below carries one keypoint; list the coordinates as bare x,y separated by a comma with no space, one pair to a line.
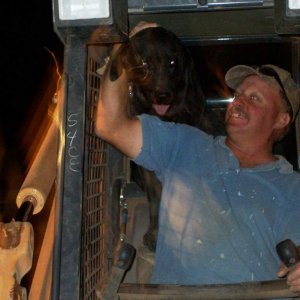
101,184
181,5
66,275
287,21
195,4
108,30
214,25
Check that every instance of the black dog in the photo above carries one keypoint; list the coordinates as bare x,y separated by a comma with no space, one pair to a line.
162,82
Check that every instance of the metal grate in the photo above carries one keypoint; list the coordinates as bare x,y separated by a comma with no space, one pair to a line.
102,180
94,249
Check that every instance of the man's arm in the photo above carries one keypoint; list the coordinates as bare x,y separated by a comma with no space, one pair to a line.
112,122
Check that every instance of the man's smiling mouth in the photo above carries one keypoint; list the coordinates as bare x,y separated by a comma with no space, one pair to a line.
237,112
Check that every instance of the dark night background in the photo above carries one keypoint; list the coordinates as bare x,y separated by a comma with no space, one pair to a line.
28,82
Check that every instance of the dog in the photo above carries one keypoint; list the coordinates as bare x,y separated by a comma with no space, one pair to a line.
163,82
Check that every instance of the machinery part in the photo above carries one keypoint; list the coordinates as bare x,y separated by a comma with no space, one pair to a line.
108,288
273,289
242,291
288,253
16,251
125,256
39,180
26,210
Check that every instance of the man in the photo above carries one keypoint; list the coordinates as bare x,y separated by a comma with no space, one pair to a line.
226,201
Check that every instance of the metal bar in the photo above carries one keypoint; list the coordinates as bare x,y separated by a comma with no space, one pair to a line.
25,211
66,279
273,289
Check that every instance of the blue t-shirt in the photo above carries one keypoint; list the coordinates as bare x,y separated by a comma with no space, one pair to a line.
218,222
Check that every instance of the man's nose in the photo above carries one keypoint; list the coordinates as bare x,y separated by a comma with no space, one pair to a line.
239,98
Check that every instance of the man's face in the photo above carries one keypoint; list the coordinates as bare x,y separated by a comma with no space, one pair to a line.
255,109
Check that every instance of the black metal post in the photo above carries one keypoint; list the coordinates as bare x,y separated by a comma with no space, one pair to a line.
66,273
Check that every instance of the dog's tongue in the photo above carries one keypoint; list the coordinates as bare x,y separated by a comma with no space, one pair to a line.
161,109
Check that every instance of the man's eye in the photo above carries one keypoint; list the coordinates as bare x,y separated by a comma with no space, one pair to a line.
236,94
253,98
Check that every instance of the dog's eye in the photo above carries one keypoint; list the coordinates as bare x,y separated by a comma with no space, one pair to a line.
172,65
145,64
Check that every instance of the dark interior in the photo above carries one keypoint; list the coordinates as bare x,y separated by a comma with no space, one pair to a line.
214,59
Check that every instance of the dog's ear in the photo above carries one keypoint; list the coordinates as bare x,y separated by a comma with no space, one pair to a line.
116,64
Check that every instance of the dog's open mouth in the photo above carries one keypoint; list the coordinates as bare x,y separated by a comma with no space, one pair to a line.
161,102
161,109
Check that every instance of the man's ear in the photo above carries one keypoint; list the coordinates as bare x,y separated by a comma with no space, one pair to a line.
283,120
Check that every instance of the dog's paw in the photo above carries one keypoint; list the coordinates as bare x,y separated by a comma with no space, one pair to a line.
150,239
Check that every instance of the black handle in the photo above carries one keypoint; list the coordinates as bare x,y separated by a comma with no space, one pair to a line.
25,211
125,255
288,252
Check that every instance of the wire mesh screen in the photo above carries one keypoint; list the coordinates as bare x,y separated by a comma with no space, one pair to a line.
99,170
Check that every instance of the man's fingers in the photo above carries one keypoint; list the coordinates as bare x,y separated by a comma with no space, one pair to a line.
295,289
293,279
294,274
283,271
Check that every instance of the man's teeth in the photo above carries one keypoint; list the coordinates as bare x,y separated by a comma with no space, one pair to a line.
237,112
236,115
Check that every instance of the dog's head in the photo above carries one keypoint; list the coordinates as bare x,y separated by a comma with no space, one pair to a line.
161,76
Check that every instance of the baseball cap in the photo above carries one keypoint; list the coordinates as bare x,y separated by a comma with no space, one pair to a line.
274,76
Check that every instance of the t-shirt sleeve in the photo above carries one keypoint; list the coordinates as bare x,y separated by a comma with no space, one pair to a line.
167,144
160,142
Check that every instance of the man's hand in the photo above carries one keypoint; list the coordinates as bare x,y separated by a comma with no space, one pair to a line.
292,275
112,121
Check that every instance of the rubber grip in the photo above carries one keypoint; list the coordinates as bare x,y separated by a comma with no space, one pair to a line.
288,252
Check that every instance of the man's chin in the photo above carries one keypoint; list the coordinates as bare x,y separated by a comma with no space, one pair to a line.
236,128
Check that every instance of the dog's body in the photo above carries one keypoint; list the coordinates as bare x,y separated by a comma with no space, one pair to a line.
162,82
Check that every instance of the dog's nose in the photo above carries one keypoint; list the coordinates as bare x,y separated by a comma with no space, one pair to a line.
163,98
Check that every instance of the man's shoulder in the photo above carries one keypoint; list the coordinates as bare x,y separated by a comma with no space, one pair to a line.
150,120
295,176
289,179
